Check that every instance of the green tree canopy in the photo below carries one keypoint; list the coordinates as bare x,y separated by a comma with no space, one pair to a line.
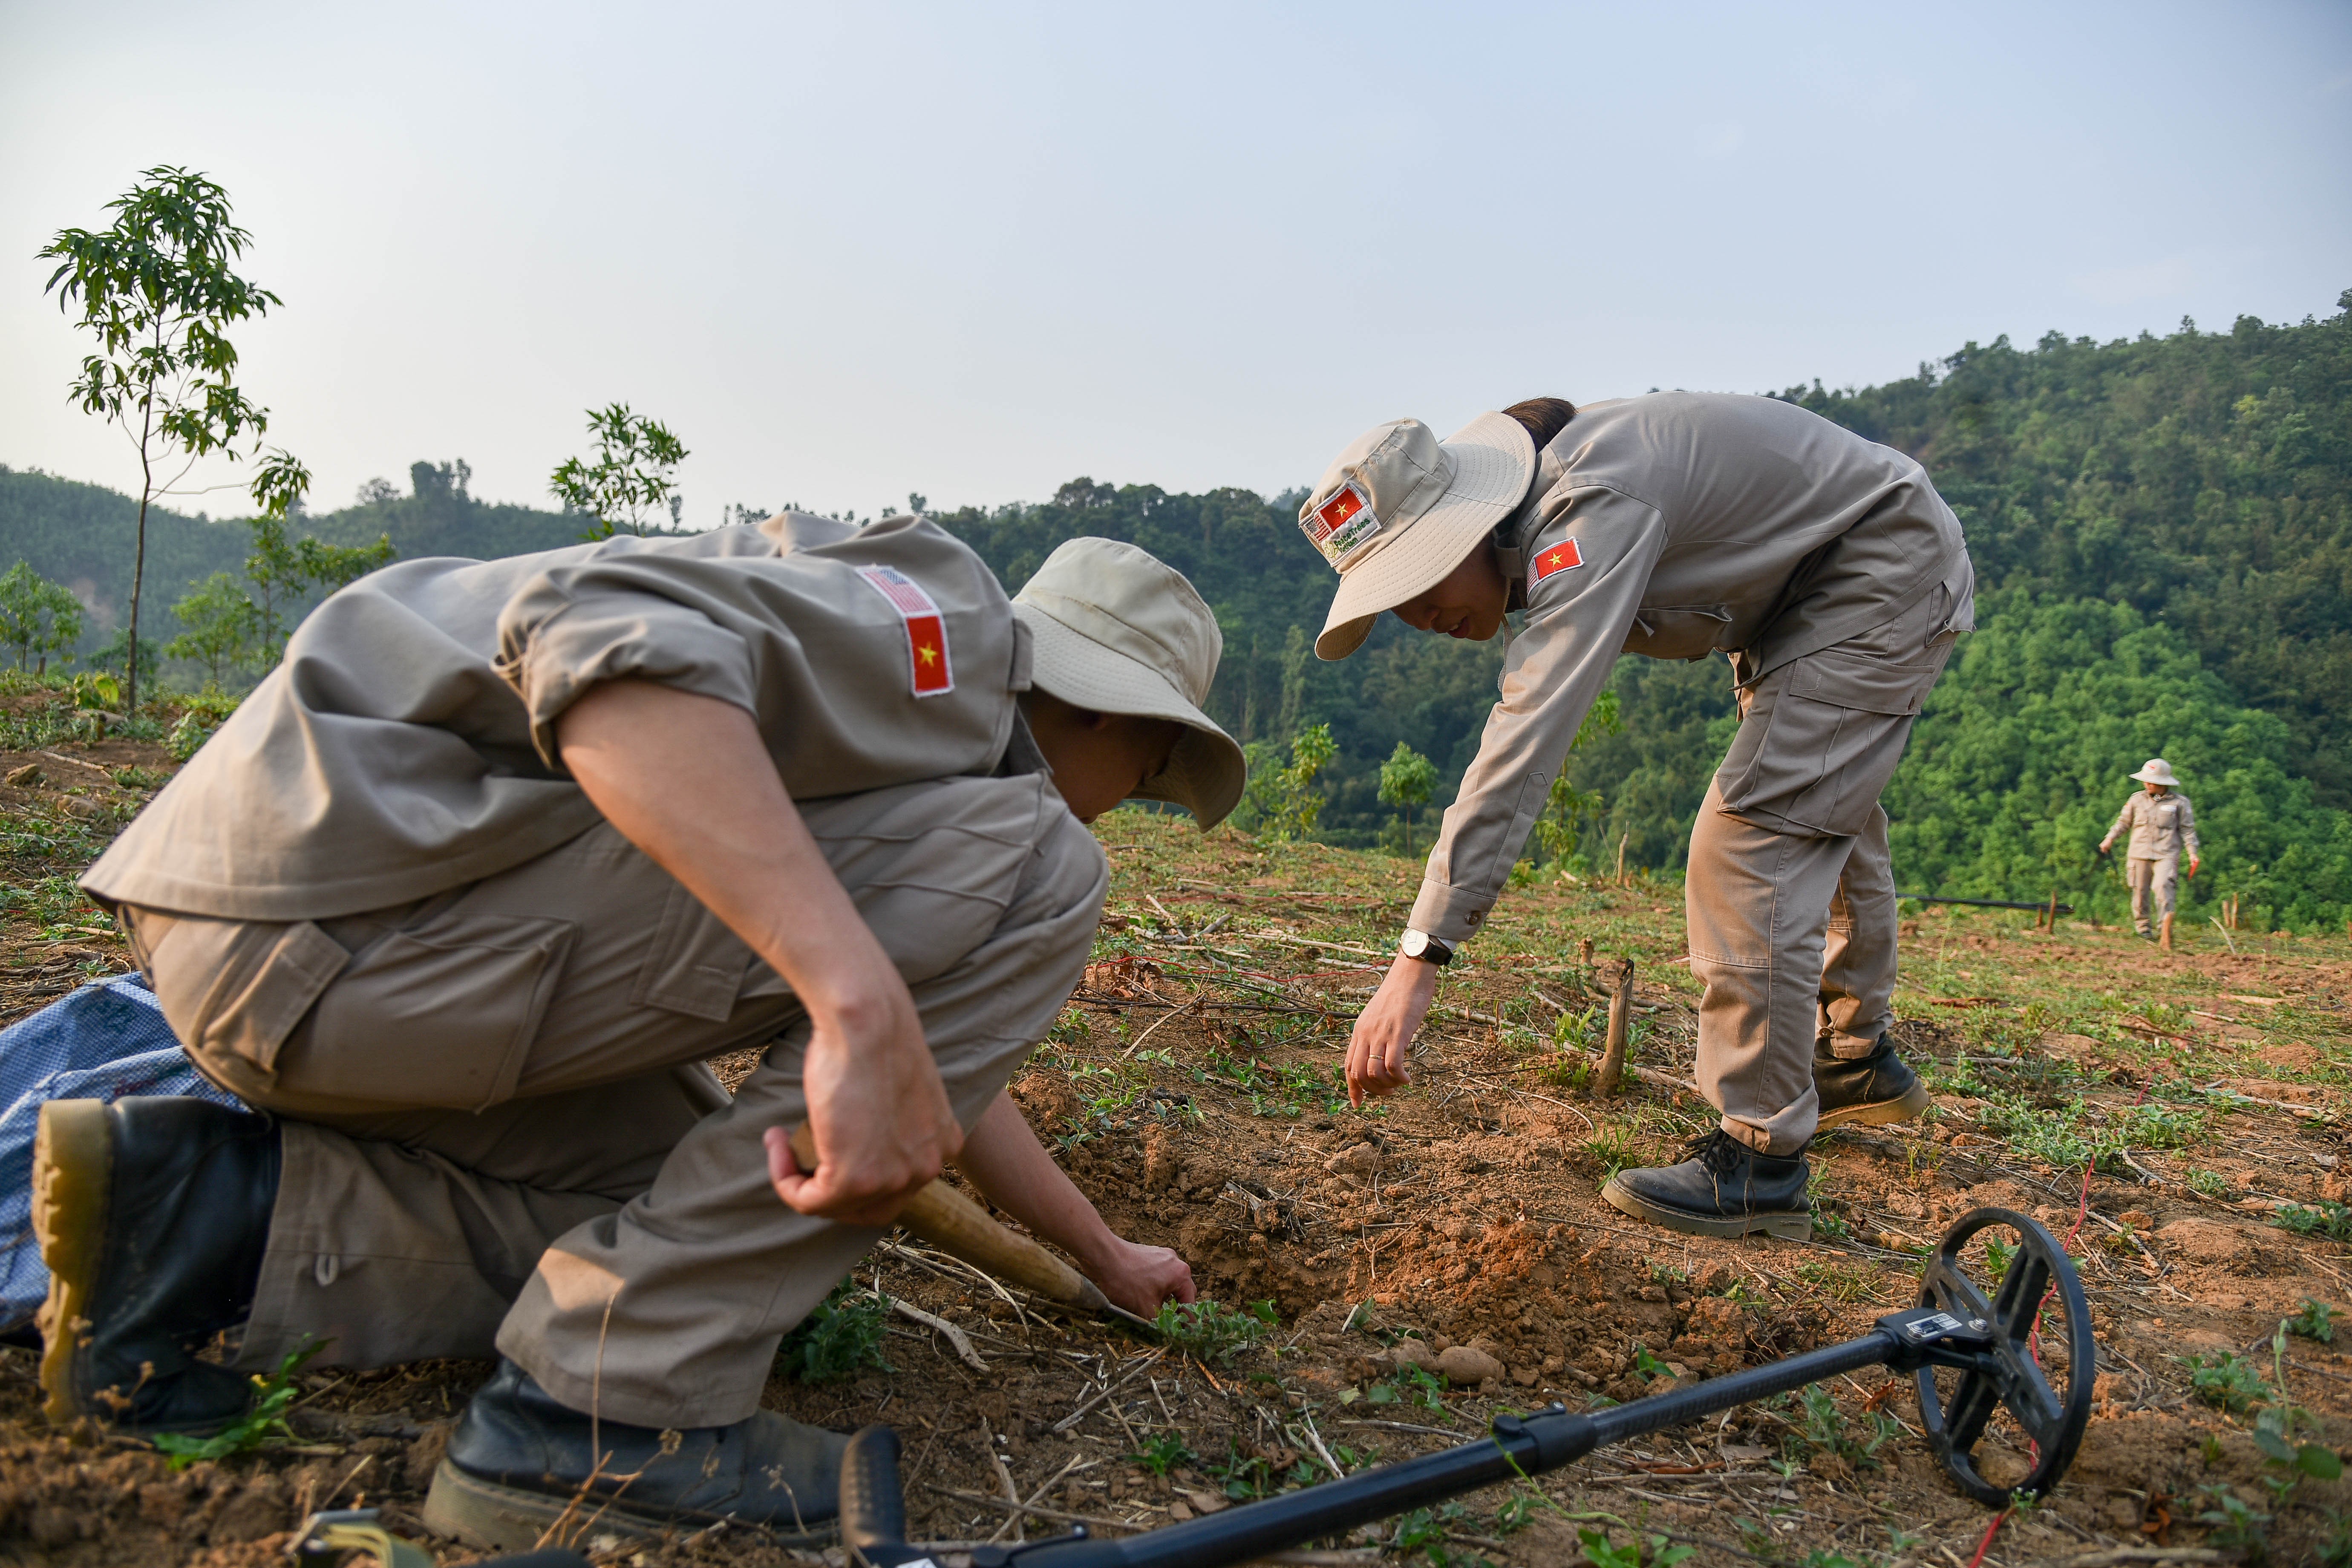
37,617
158,291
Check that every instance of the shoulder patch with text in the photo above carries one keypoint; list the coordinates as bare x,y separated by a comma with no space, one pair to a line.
926,629
1561,557
1342,523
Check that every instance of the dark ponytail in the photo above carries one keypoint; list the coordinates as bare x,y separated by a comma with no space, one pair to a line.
1544,417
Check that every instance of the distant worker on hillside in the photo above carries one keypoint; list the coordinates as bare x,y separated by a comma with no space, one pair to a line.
2162,824
1672,525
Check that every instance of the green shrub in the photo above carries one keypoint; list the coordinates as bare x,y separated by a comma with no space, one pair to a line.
842,1337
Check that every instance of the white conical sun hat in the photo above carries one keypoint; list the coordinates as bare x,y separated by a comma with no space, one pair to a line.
1120,631
1399,509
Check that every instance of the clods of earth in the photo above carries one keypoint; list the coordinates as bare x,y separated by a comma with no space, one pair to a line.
1388,1280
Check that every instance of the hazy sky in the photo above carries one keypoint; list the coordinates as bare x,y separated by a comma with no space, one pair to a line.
973,250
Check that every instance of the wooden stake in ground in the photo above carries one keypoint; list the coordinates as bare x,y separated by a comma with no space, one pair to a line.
1621,855
1621,1008
2168,933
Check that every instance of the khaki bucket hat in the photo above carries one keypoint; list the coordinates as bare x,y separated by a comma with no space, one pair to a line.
1399,509
1120,631
2157,770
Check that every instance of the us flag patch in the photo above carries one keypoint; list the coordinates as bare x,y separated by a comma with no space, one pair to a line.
926,629
1561,557
1341,523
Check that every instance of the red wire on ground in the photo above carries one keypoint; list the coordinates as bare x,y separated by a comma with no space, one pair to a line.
1985,1544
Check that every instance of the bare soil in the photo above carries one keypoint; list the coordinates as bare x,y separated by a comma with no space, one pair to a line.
1191,1088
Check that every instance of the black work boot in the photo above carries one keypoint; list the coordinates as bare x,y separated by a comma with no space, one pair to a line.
152,1215
1866,1090
1722,1187
519,1462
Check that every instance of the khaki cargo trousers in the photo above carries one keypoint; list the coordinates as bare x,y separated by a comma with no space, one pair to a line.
2155,883
499,1129
1789,898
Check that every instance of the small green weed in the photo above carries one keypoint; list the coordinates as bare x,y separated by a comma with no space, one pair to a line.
2236,1524
2332,1220
2209,1184
1206,1330
1655,1551
2274,1435
2155,1127
2313,1320
1518,1510
1616,1146
2337,1551
1824,1432
1840,1282
840,1337
2227,1382
1247,1477
264,1424
1163,1454
1414,1385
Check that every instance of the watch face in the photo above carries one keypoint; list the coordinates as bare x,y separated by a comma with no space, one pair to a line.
1415,943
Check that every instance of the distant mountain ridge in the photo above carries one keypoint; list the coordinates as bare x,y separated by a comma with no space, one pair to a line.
82,535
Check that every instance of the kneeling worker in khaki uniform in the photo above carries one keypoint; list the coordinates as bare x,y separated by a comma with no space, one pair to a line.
470,889
2162,826
1674,525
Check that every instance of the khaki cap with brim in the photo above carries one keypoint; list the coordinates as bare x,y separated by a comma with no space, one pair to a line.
1399,509
2157,770
1119,631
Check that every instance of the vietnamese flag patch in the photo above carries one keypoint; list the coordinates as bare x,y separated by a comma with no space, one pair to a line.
1561,557
926,629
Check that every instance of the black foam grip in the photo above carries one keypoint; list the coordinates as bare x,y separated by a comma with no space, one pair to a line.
873,1513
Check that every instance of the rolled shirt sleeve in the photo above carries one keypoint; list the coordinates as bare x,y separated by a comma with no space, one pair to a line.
1577,622
2126,820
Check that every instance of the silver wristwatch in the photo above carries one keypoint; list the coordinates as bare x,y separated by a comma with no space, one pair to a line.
1420,944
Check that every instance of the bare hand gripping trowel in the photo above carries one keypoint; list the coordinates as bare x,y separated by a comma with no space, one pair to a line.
953,1223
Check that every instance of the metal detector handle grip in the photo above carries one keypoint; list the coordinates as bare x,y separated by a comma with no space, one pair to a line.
873,1509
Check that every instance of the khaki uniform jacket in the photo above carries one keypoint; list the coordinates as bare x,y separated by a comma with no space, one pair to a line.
1671,525
406,745
2162,826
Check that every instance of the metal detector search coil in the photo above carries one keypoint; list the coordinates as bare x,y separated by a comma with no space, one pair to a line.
1973,1355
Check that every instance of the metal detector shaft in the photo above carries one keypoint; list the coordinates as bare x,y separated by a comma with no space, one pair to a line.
1519,1445
1985,903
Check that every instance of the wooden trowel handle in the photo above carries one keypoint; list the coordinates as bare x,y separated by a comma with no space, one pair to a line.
947,1219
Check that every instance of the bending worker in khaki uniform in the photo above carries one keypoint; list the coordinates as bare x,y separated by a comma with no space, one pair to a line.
470,889
1674,525
2162,825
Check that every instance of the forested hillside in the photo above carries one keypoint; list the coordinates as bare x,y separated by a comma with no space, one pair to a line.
2163,535
82,535
2162,529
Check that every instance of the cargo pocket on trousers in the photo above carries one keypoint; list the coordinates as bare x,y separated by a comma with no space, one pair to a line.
441,1014
266,978
1816,761
695,965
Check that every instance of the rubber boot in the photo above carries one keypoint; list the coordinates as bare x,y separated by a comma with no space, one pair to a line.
1866,1091
521,1465
1721,1187
152,1215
